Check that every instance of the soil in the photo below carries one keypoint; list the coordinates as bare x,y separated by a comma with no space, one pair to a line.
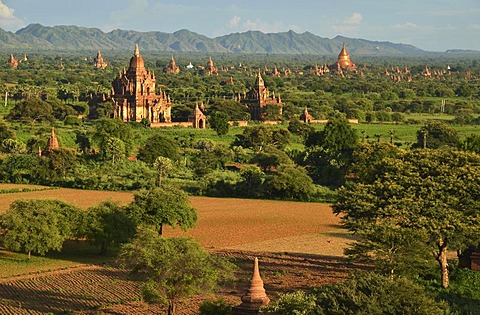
108,290
299,245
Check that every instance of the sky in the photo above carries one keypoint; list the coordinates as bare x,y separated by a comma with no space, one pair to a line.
434,25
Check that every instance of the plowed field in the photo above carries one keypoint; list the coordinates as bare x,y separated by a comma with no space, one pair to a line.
299,245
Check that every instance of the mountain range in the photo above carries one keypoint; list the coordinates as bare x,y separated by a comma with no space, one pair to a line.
68,38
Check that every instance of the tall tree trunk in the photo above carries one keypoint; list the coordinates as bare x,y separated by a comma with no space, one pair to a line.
171,307
441,257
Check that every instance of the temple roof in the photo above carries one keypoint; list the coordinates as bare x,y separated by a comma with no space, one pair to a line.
136,62
259,80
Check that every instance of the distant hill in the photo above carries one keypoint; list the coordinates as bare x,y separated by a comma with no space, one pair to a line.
66,38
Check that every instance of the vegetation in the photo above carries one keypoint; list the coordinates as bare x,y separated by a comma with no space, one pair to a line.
420,198
174,267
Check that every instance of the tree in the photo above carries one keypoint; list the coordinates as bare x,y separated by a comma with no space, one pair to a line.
329,152
13,146
163,165
107,225
258,137
472,143
432,192
436,134
31,110
5,132
159,207
175,268
105,129
366,293
219,122
158,145
37,226
114,149
290,182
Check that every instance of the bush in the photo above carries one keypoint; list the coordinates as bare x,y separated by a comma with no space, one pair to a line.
216,307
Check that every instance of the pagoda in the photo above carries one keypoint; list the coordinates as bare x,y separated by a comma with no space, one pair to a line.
99,62
172,67
12,61
135,97
259,97
344,62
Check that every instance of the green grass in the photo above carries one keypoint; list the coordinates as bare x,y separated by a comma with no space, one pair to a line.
74,253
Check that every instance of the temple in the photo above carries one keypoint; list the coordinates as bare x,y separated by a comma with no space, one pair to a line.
135,97
258,98
52,144
99,62
198,118
12,61
344,62
172,67
211,69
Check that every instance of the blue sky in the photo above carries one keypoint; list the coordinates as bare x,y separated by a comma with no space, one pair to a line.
435,25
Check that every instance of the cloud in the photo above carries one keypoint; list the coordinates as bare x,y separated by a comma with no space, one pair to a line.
349,25
266,27
7,18
474,27
234,21
355,19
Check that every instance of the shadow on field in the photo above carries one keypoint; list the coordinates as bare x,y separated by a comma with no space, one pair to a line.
61,292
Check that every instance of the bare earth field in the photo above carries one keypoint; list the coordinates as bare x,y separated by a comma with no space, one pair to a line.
299,245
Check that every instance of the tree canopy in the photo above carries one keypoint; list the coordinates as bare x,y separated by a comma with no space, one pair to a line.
162,206
434,193
175,268
38,226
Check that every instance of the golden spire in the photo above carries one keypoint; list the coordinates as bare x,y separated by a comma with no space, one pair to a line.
137,52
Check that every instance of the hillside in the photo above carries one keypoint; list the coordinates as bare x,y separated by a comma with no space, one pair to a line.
67,38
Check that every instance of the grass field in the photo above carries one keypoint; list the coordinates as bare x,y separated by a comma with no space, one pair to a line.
299,245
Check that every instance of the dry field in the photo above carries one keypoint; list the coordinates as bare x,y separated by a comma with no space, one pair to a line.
299,245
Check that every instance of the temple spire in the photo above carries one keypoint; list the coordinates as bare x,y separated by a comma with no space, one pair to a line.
137,52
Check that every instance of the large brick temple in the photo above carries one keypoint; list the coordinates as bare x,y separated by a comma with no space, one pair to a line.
135,97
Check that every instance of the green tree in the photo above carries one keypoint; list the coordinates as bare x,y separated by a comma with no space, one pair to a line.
437,134
472,143
175,268
366,293
219,122
290,182
432,192
158,145
329,152
13,146
107,225
163,165
5,132
31,110
159,207
38,226
104,129
114,149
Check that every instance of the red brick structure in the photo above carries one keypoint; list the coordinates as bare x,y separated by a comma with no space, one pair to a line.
99,62
211,69
172,67
255,297
198,118
306,117
52,144
12,61
258,98
470,258
135,97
